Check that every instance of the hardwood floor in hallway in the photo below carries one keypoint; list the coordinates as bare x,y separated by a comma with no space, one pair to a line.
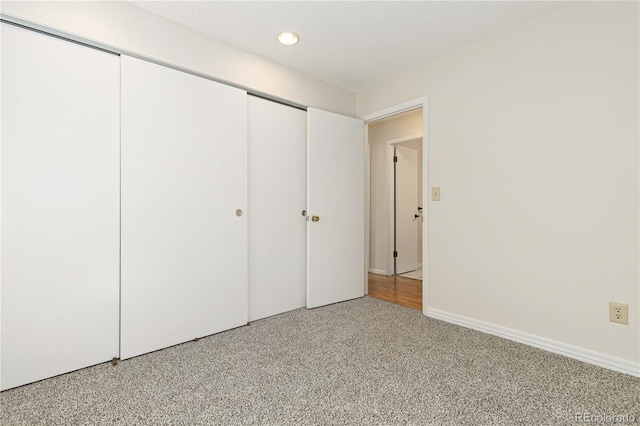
402,291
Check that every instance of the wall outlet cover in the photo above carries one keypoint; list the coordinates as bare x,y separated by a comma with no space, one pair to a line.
619,312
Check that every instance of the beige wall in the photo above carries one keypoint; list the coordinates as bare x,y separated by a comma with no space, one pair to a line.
379,133
533,138
135,30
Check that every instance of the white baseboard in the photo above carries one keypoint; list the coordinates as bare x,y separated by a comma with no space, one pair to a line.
378,271
575,352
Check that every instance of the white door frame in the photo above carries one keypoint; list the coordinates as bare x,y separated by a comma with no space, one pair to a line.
422,102
389,180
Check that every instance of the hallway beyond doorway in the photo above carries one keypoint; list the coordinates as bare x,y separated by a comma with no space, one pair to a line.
401,291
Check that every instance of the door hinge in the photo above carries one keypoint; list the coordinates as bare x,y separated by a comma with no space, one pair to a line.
395,158
395,253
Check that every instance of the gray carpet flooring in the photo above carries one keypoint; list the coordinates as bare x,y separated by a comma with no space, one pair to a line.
361,362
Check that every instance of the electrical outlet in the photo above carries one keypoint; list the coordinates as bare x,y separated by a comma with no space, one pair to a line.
619,312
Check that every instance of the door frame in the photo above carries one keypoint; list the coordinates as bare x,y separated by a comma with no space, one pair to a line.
421,102
389,181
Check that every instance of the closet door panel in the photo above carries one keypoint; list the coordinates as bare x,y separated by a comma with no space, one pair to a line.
60,206
277,196
335,182
184,175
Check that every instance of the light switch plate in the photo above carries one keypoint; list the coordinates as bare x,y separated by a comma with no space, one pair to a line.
435,193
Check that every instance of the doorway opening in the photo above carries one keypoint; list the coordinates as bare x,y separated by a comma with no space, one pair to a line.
396,208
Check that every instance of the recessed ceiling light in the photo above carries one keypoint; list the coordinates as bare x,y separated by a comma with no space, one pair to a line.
288,38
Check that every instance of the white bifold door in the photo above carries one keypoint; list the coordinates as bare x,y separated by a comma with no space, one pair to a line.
184,200
60,206
277,197
335,232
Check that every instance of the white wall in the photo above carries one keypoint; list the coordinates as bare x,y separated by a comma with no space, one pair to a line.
379,134
140,32
533,137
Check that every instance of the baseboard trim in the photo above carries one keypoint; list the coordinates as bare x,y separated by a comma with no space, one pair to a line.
378,271
575,352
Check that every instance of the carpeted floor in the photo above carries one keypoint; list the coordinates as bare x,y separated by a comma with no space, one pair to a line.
362,362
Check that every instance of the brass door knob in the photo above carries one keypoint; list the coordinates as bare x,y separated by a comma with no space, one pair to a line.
315,218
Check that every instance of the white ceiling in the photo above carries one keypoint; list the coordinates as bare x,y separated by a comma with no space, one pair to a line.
352,44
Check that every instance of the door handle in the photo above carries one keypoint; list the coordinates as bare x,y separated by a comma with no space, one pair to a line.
315,218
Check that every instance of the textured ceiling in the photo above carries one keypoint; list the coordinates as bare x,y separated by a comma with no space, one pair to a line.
352,44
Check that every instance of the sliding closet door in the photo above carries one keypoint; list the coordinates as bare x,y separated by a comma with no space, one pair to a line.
277,196
60,206
184,196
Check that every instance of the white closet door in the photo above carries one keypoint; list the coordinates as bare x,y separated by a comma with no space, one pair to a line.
277,196
335,263
184,175
60,206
